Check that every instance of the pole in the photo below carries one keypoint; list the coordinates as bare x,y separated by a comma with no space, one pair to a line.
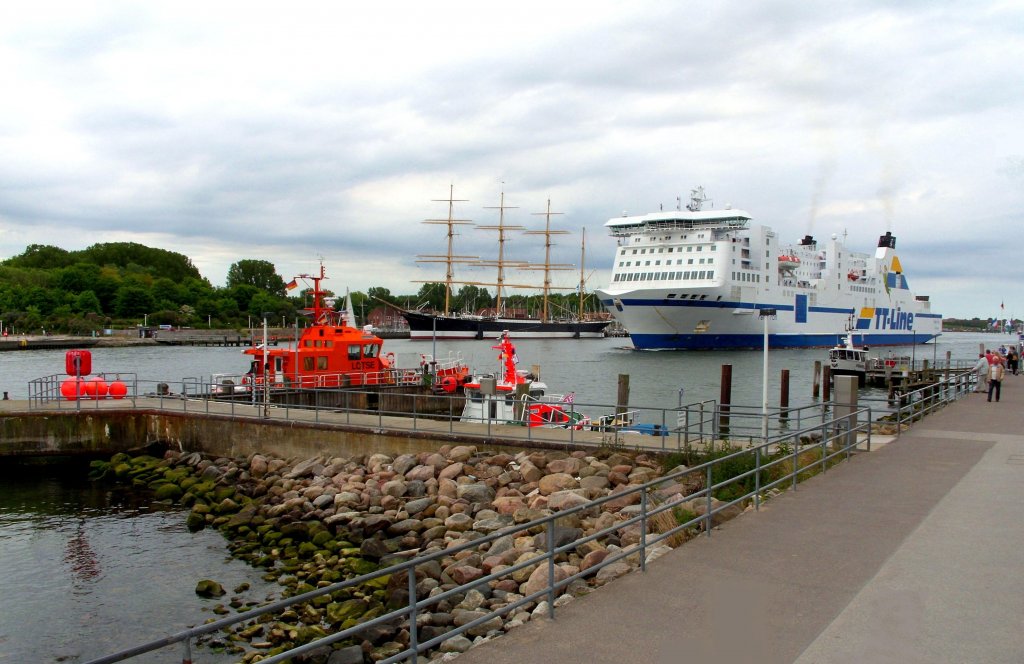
266,386
764,386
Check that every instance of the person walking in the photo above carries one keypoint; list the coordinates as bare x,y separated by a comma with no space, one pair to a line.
1012,361
981,370
995,380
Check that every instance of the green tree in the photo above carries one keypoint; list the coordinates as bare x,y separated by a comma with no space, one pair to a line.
258,273
133,302
378,293
470,298
87,302
431,295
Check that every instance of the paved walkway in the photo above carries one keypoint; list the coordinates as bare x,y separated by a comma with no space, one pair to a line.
911,553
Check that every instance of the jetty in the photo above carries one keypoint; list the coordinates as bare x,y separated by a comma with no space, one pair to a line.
909,554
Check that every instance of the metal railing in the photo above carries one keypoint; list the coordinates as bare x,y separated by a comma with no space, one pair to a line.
695,425
770,465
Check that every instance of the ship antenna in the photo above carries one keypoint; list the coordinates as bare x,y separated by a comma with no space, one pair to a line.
697,199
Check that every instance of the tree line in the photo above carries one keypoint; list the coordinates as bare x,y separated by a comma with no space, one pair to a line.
126,284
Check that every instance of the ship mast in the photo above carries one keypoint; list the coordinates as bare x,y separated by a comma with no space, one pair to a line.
583,278
501,263
448,259
547,266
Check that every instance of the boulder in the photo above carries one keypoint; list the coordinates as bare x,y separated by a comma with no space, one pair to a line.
556,482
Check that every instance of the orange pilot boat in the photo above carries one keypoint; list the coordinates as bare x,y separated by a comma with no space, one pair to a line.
332,353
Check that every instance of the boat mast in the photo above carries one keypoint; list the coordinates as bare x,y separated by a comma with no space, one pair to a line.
448,259
501,263
583,278
547,266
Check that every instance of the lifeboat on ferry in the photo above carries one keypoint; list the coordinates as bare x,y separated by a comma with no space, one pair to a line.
788,262
853,275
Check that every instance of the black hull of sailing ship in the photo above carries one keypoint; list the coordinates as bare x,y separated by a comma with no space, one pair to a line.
429,326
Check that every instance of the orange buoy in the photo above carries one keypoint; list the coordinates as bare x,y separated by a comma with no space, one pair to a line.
99,387
118,390
78,363
71,388
449,383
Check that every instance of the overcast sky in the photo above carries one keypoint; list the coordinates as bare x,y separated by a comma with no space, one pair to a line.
293,131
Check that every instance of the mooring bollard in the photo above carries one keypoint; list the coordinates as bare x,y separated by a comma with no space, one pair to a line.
826,379
816,383
725,398
784,395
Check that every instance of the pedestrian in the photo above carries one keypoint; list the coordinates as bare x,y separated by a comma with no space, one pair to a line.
981,370
995,380
1012,361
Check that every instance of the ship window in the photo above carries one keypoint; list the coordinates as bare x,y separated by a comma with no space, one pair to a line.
702,261
646,263
711,260
321,363
689,261
307,364
328,343
634,251
353,352
703,297
321,331
689,249
643,251
307,343
711,274
700,247
370,350
702,274
671,295
316,343
657,262
714,247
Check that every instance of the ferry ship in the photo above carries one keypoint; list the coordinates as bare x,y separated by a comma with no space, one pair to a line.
707,279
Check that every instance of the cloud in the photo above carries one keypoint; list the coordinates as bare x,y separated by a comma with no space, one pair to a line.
239,130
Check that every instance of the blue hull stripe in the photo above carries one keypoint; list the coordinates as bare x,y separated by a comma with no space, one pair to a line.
737,341
711,304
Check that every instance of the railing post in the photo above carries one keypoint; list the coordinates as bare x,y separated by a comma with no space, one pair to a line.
707,514
643,531
186,657
757,479
413,641
551,568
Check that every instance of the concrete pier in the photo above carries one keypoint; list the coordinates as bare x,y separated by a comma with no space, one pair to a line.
911,553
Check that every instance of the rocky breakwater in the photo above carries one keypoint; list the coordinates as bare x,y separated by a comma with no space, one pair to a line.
312,523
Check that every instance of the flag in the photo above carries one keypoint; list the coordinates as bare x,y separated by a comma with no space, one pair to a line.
291,285
569,398
1001,306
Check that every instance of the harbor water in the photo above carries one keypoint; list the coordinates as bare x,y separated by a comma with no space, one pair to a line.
91,570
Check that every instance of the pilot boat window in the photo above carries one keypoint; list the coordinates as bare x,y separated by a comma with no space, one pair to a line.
370,350
321,363
307,364
353,352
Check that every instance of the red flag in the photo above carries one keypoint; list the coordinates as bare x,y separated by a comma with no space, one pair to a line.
291,285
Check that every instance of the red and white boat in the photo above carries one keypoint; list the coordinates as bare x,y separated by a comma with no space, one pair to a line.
333,353
514,396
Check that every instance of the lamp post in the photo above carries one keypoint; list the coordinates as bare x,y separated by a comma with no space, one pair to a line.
266,385
765,314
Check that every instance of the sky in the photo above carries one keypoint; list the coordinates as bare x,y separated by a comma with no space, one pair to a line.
301,132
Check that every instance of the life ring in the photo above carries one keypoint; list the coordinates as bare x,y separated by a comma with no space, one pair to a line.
448,384
389,357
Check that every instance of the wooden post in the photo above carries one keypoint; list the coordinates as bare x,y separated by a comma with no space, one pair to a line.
826,380
622,399
725,397
784,395
816,383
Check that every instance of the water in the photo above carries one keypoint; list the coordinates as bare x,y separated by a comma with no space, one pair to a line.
588,367
90,571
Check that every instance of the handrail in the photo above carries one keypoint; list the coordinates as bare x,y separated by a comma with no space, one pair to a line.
843,434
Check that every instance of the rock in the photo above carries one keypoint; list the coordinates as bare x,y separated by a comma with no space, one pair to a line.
209,588
476,493
451,472
455,644
593,559
563,500
570,465
539,579
613,571
530,472
463,574
421,473
414,507
595,483
459,522
462,453
508,504
403,463
488,526
258,466
346,655
556,482
304,468
339,612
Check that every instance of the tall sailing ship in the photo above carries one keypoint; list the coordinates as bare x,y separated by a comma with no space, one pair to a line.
707,279
450,325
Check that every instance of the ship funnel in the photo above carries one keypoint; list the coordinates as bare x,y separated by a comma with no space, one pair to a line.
807,241
887,240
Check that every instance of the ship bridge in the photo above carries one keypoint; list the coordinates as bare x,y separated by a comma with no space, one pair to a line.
677,220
